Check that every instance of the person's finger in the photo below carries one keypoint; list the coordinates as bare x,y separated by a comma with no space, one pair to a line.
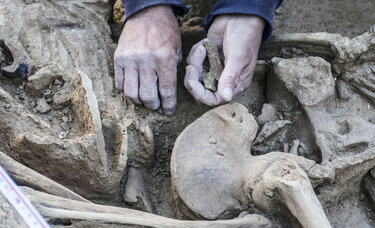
197,56
131,84
119,76
191,74
167,74
203,95
148,91
231,76
195,71
228,82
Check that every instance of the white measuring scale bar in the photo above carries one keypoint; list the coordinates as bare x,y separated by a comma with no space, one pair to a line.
19,201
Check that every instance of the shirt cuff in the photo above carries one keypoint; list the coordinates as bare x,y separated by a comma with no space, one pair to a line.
134,6
261,8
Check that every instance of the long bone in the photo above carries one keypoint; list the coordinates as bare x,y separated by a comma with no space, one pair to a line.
215,176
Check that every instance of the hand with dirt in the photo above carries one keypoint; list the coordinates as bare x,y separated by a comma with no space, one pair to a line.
146,58
238,38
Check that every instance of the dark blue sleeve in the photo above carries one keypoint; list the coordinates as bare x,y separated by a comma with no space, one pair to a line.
134,6
262,8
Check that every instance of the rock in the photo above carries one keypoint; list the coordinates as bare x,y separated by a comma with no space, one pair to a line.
61,98
42,106
87,112
268,114
42,79
269,129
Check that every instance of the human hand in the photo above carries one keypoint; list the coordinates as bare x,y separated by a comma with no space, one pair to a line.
238,38
146,58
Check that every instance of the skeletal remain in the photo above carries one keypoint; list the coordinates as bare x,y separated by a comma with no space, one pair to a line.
57,209
336,132
222,179
210,80
362,78
135,190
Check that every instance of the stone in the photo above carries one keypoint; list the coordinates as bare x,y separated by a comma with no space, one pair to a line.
42,106
87,111
42,79
268,114
24,175
62,98
269,129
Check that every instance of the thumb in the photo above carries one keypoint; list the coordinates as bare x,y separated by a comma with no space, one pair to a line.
228,82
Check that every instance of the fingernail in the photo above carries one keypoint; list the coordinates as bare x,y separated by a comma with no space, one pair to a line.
228,93
168,113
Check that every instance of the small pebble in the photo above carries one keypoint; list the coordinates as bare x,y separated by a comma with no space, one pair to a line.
42,106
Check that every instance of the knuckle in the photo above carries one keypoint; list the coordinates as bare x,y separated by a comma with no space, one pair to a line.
142,54
233,79
169,105
147,97
167,92
166,56
123,58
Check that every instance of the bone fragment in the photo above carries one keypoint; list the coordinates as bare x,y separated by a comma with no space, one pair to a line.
218,181
270,128
55,208
210,80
